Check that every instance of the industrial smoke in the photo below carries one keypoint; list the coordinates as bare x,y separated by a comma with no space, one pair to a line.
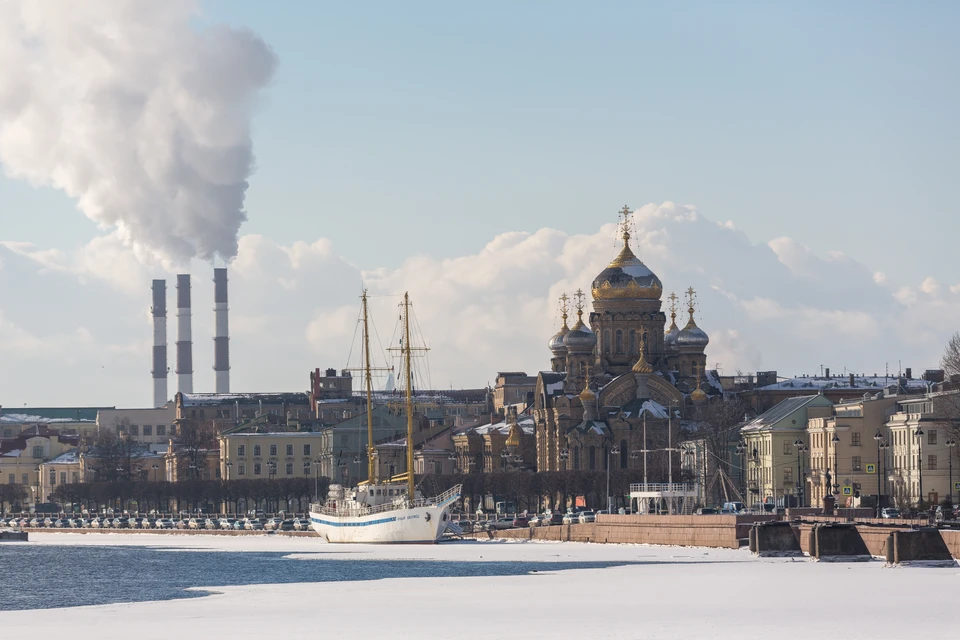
138,112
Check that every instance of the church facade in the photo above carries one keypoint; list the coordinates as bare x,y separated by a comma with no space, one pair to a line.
620,377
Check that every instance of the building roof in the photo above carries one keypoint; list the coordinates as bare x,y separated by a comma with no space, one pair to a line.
52,414
223,399
860,383
770,418
503,428
67,457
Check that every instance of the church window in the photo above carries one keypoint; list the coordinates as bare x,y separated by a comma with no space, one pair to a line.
633,342
619,341
576,458
623,454
583,368
593,458
606,342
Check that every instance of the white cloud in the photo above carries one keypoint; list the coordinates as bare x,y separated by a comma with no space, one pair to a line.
774,305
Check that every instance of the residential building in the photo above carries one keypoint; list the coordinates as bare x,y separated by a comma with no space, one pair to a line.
145,426
843,455
330,386
481,449
68,421
21,457
513,388
923,463
771,452
225,410
250,454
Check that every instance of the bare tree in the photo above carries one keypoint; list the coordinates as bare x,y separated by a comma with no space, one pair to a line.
718,427
194,444
115,457
950,362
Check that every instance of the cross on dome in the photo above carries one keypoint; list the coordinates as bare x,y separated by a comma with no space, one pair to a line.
625,222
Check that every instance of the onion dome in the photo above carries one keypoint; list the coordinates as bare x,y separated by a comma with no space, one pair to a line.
627,278
556,342
641,365
670,337
698,395
587,395
513,439
580,338
692,335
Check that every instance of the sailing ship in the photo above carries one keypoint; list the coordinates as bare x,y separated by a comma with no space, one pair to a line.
391,511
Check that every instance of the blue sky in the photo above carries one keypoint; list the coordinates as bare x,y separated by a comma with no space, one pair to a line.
397,129
442,125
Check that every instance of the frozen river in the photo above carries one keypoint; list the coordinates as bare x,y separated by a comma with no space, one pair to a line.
153,586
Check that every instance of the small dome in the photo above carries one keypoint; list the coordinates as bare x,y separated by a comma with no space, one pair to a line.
670,337
580,339
692,336
556,342
587,395
513,439
641,365
698,395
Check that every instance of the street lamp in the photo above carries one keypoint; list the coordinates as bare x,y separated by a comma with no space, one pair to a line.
155,467
836,465
316,479
801,447
879,438
614,451
565,456
883,459
741,458
918,434
36,495
951,443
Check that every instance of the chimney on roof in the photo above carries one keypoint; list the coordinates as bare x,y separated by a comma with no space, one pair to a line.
184,338
853,381
909,373
159,310
221,343
828,372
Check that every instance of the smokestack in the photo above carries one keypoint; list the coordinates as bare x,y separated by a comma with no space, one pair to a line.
221,343
159,310
184,340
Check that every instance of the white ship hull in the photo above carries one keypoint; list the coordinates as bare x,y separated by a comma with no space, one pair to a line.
420,523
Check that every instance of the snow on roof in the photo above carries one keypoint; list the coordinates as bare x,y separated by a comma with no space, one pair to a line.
67,457
13,453
22,418
843,382
655,409
526,424
553,387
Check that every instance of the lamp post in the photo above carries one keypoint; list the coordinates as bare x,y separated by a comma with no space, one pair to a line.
36,495
155,467
879,438
951,443
271,472
918,434
883,460
613,451
756,471
801,447
564,455
316,479
836,465
741,458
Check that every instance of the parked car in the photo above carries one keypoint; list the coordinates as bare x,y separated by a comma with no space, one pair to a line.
301,524
253,525
499,523
286,525
706,511
889,512
734,507
273,524
239,525
466,526
571,518
521,521
536,520
587,517
164,523
555,517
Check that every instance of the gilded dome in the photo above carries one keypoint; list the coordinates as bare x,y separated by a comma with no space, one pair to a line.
627,278
587,395
513,439
641,365
698,395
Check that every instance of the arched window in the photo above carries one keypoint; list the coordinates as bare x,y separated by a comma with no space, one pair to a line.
624,454
576,458
583,368
619,341
606,341
633,342
593,458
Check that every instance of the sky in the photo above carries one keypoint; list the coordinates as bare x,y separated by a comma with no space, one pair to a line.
794,163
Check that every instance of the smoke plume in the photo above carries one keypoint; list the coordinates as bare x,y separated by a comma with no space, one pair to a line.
136,112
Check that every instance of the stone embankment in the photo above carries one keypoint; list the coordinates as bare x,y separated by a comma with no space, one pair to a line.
181,532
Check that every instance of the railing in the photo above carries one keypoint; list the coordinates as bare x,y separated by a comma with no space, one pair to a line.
336,508
663,487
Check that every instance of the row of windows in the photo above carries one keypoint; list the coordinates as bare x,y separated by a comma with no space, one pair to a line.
619,342
63,477
258,469
257,450
134,429
24,478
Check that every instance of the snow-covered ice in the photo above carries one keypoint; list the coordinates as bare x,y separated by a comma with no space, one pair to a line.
670,592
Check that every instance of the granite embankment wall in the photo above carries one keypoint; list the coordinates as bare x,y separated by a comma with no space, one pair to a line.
683,531
697,531
177,532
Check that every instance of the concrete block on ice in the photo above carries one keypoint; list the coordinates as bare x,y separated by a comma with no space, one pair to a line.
834,542
19,536
918,547
769,539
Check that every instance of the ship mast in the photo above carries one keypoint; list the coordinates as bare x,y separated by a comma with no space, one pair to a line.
369,382
406,364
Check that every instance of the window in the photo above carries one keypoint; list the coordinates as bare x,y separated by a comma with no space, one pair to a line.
619,341
38,452
576,457
932,463
289,449
606,342
53,477
134,430
438,467
855,439
633,342
289,468
148,429
241,450
161,429
241,469
76,477
856,463
25,479
256,450
256,468
63,477
931,436
306,449
273,449
13,478
593,458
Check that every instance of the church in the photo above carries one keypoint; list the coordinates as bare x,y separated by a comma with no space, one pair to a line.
620,378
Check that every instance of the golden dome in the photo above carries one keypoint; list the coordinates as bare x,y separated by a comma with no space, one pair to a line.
513,439
641,365
587,395
627,278
698,395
